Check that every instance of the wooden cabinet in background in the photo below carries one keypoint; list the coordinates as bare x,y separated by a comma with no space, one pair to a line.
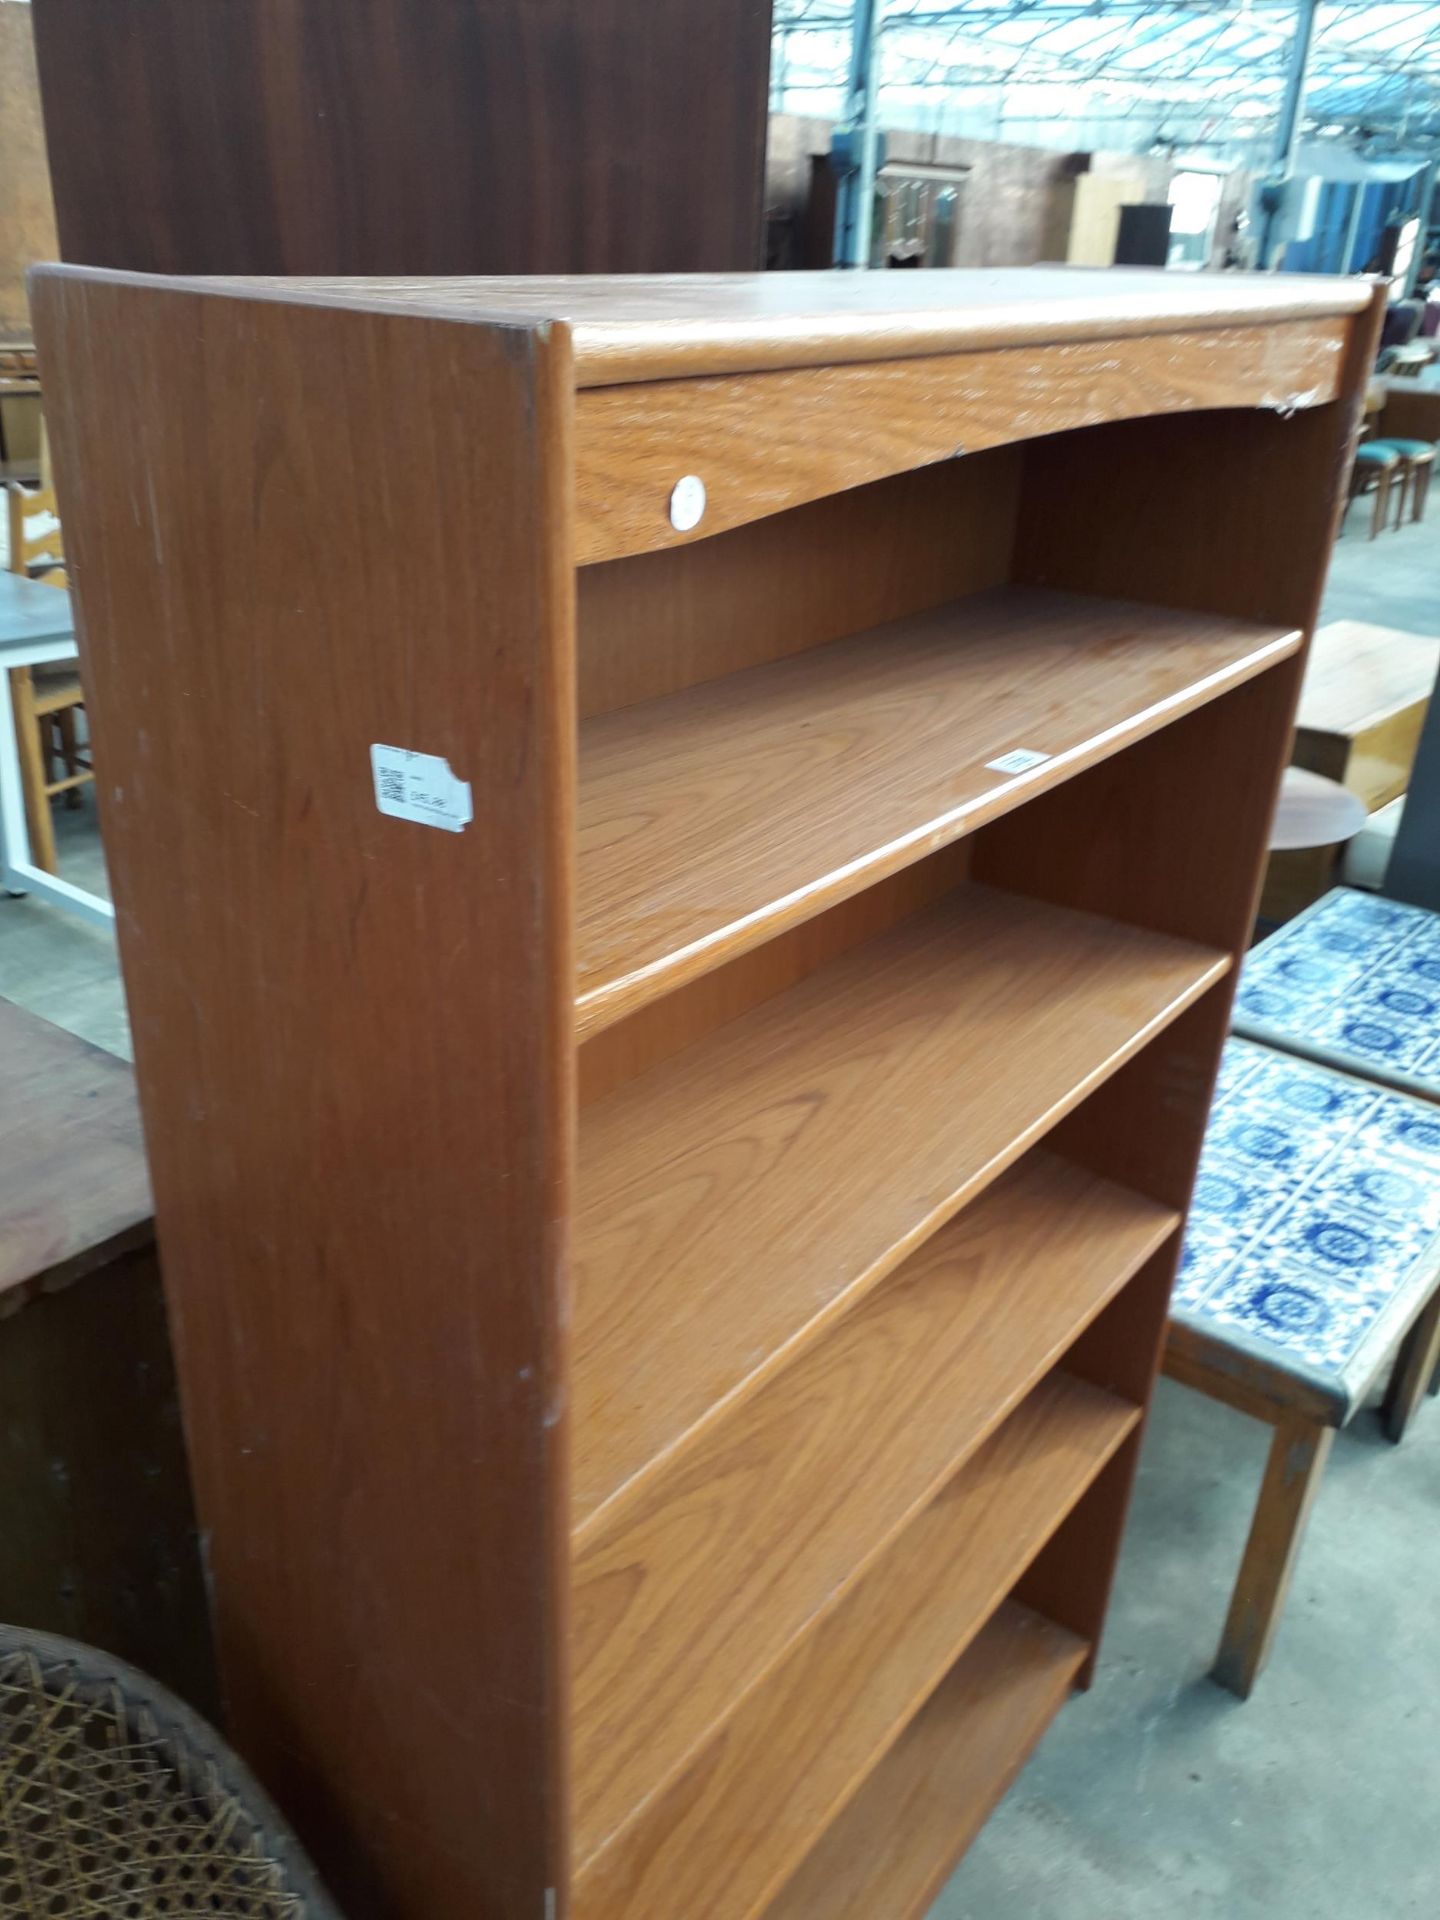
679,936
383,136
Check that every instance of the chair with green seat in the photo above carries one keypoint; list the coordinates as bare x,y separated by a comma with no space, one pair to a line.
1377,464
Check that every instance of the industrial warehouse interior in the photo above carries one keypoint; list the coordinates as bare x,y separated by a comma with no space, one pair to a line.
719,959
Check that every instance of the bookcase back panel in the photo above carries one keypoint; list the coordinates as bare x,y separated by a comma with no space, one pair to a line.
656,622
1168,834
762,442
618,1053
1230,512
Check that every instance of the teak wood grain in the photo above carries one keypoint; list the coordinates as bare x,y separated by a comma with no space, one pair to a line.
892,1849
847,981
1256,547
763,442
655,623
716,817
633,330
782,1506
664,1027
357,1073
805,1736
736,1196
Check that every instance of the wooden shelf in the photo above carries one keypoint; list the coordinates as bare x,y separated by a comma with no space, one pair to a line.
737,1195
779,1507
892,1850
713,818
612,1186
758,1793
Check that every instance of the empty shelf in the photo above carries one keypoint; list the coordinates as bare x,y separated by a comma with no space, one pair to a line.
764,1786
737,1195
712,818
785,1502
892,1850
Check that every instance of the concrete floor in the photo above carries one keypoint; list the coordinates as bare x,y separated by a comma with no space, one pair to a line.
1156,1794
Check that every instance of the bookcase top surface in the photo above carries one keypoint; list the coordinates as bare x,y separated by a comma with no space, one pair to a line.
638,327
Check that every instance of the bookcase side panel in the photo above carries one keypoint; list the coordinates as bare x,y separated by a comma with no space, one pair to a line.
311,544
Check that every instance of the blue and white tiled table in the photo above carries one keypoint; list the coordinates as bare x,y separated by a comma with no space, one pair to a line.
1312,1249
1354,981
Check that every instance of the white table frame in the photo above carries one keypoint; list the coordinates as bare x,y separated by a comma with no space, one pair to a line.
18,872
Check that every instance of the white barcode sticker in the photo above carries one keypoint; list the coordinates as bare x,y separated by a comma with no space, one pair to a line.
420,787
1021,760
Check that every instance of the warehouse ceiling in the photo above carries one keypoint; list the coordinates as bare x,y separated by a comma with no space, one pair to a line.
1194,73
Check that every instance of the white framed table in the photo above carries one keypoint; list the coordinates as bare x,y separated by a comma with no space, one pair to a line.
37,628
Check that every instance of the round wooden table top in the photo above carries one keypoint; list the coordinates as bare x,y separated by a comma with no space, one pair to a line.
1314,812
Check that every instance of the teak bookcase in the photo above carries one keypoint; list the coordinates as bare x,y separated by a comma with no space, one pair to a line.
667,1276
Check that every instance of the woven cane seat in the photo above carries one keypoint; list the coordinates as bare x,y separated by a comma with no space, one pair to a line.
119,1803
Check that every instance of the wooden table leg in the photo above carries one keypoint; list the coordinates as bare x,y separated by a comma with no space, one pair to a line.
1382,502
1298,1454
1415,1369
1402,492
32,768
1422,486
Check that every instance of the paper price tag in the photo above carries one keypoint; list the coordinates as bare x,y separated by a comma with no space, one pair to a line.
1021,760
420,787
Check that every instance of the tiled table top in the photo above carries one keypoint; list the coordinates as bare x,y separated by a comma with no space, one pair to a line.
1315,1228
1354,981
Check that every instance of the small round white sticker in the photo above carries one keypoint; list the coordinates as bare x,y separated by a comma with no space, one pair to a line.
687,503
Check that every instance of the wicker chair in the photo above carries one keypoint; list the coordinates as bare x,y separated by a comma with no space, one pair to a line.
119,1803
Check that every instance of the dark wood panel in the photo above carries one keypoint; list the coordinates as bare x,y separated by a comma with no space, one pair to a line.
99,1540
352,1032
382,136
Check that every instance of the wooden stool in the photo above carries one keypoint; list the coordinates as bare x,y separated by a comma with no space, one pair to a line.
1353,982
1312,1249
98,1537
1375,469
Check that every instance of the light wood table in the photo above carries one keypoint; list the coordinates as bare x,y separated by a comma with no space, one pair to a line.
1362,706
37,628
